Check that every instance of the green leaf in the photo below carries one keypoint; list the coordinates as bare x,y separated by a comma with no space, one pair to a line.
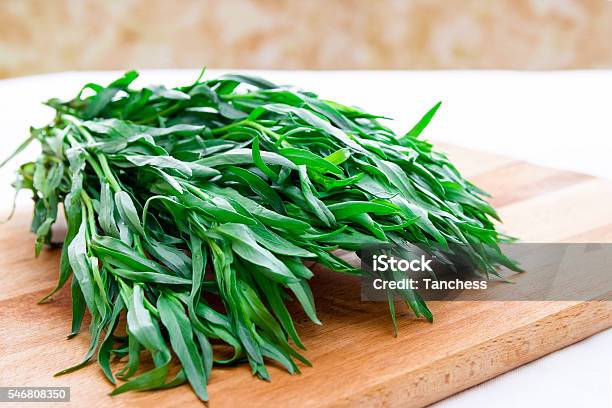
128,212
246,246
317,206
259,161
181,338
259,187
104,352
106,217
244,156
100,101
150,277
422,124
310,160
304,295
349,209
117,253
339,156
162,162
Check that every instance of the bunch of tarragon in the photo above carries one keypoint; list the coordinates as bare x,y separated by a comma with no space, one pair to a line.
192,210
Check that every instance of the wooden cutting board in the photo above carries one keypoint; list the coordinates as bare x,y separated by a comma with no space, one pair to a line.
356,360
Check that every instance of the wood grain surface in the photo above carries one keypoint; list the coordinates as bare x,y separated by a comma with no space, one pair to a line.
356,360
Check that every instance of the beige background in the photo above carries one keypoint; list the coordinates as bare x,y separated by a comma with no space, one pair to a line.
52,35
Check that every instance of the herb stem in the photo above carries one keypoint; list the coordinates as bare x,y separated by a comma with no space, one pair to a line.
169,110
90,212
108,173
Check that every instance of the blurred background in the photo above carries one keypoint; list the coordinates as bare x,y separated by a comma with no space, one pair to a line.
38,36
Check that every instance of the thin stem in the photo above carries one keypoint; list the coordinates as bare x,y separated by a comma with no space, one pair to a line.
228,127
89,212
108,173
272,134
167,111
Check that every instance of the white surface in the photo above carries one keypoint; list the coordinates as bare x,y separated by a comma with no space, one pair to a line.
558,119
576,376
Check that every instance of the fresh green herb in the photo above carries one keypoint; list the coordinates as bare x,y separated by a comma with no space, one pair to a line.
192,209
